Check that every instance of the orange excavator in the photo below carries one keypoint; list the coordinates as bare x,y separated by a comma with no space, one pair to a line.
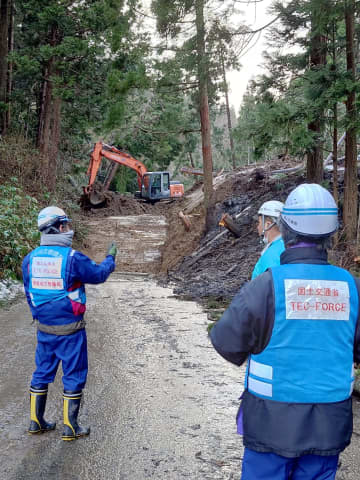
154,186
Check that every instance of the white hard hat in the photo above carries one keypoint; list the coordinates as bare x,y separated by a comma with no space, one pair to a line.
310,210
49,216
272,208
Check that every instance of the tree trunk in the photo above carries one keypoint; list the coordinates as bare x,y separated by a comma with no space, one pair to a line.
54,140
335,165
191,159
48,135
335,125
315,170
314,162
204,115
4,50
10,64
43,134
226,90
335,155
350,176
111,175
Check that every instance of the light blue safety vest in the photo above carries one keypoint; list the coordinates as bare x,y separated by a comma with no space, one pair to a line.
309,358
47,276
270,257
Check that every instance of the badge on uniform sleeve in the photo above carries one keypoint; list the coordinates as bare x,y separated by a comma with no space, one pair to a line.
317,300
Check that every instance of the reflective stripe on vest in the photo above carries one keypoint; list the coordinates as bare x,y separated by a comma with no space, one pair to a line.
309,358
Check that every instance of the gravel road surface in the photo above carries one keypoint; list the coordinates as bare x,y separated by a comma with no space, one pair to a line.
160,401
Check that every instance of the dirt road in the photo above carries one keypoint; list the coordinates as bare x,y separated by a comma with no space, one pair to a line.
139,238
160,401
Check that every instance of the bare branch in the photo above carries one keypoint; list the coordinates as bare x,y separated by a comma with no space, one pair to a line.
247,32
248,2
193,84
154,18
143,14
152,132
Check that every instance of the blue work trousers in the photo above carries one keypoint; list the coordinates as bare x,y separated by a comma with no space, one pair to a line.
269,466
71,350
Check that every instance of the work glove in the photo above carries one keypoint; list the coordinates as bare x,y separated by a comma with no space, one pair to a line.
112,250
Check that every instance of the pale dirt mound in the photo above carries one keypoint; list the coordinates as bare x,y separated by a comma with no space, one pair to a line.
179,243
139,239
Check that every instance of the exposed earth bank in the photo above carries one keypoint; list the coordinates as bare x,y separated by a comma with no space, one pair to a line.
215,265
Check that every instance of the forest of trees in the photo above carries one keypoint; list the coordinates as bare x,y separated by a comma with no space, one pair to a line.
307,99
153,81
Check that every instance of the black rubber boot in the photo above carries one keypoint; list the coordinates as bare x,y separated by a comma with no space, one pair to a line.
38,398
72,429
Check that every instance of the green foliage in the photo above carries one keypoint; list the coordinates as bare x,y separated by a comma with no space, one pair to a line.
209,327
125,181
68,43
148,113
18,228
282,105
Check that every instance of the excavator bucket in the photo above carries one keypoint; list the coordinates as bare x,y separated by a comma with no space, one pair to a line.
94,198
97,198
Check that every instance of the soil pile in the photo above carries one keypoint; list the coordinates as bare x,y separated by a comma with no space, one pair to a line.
221,263
123,205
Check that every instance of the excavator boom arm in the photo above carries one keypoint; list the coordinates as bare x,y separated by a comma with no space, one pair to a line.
111,153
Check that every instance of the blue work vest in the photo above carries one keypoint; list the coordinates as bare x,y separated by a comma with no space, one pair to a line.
270,257
47,276
309,358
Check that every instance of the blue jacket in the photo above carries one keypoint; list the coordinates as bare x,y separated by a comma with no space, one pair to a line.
288,428
269,258
67,308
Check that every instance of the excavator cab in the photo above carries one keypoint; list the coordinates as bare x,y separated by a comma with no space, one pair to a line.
155,186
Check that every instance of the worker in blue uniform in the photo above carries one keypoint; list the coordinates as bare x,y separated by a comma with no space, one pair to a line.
299,325
268,230
54,276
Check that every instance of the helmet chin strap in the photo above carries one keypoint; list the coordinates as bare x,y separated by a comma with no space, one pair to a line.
264,230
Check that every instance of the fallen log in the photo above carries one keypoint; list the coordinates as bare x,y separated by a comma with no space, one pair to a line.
196,198
186,221
198,171
194,257
287,170
227,222
231,269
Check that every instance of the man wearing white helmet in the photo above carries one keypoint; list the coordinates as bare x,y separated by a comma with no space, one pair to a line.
268,229
299,325
54,276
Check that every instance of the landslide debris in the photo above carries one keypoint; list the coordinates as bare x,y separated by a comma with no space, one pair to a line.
206,266
215,265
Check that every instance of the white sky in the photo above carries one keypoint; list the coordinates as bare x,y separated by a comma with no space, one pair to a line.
238,80
254,15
